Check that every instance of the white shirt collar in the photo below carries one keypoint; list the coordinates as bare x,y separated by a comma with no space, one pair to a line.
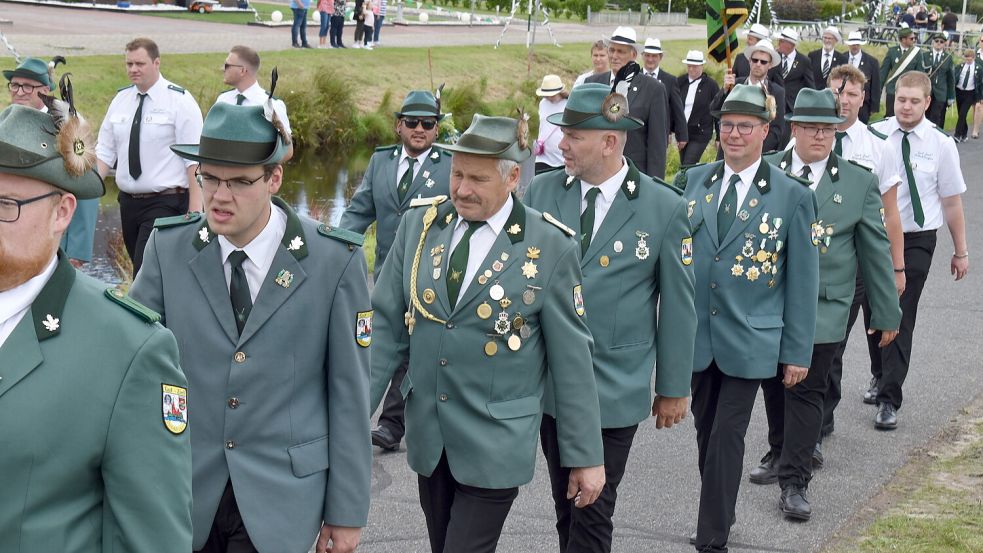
747,175
253,90
816,168
262,248
857,128
920,129
419,159
497,221
610,187
19,298
155,91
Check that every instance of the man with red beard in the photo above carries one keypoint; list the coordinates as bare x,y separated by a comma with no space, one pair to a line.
120,477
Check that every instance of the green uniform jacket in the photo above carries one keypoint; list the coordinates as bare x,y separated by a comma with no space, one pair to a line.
756,290
978,77
377,198
638,288
891,62
88,464
851,218
296,440
942,76
484,410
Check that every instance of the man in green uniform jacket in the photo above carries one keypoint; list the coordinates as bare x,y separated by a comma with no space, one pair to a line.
636,257
478,293
93,405
850,230
751,232
899,60
938,65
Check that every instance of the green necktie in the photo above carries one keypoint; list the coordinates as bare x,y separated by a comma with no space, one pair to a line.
587,220
134,151
727,208
406,179
240,99
806,173
838,148
459,262
916,201
242,303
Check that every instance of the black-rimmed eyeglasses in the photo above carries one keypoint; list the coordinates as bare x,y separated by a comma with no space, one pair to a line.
236,185
10,208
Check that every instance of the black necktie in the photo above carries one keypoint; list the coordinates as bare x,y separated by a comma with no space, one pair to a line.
966,76
727,208
916,201
459,262
242,302
134,163
838,148
240,99
587,219
806,173
406,179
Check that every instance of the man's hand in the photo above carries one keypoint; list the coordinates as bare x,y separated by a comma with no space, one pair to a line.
887,336
669,410
959,267
343,539
794,374
899,282
77,263
729,79
585,485
681,145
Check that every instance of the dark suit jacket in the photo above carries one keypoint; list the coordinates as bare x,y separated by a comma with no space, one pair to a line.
799,76
700,123
677,118
648,101
742,69
871,69
816,59
777,129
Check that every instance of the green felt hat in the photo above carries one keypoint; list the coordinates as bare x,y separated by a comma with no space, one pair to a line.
905,32
31,68
938,36
745,100
815,106
590,108
497,137
420,103
32,146
236,135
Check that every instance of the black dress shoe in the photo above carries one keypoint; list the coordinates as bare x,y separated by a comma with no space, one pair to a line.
385,438
870,396
817,457
794,503
767,471
886,418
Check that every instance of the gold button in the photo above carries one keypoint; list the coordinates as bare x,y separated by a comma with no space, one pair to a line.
240,357
605,261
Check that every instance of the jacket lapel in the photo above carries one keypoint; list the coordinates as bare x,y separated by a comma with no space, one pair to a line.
436,238
389,175
419,184
619,214
568,204
708,205
505,243
753,204
208,271
829,182
20,354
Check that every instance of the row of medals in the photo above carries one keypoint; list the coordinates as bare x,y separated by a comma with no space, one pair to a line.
641,249
767,261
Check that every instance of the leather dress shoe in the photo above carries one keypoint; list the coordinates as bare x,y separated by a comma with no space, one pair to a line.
886,418
870,396
817,457
385,438
794,503
767,471
692,537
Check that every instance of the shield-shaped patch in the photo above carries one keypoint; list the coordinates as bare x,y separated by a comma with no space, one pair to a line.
174,407
686,252
363,328
817,233
578,300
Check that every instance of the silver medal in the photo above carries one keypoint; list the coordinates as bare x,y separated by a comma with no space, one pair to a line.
496,292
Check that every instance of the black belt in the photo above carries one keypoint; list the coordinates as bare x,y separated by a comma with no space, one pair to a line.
177,190
921,233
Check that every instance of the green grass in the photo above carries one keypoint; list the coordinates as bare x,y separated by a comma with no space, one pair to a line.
265,10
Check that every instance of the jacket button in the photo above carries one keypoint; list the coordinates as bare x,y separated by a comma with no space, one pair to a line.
713,285
713,311
240,357
230,445
450,324
399,213
716,258
233,402
443,397
443,362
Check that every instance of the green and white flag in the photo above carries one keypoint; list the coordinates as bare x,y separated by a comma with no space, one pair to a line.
718,38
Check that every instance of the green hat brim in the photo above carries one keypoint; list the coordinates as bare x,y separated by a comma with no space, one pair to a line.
833,120
763,115
11,73
232,153
52,171
411,113
596,122
512,152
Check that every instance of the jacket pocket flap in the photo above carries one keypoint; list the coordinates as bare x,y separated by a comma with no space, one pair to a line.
839,291
406,385
310,457
765,321
515,408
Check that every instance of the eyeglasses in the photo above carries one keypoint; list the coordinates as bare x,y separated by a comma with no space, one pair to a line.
743,129
25,88
225,67
760,61
236,185
818,132
428,124
10,208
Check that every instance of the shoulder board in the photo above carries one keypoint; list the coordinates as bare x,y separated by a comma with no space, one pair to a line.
556,222
941,131
341,235
178,220
386,148
667,185
876,132
434,200
122,88
864,167
175,88
278,98
145,313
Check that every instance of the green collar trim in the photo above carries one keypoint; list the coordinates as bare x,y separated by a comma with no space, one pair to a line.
832,167
49,306
446,213
716,174
515,226
630,184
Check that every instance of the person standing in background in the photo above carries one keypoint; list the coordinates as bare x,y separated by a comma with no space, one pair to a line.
299,27
368,23
359,23
325,8
599,59
337,24
553,100
380,16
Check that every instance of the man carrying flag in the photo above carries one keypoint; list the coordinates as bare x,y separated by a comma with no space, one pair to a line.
724,17
899,60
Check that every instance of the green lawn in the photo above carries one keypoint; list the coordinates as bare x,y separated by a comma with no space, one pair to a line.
232,17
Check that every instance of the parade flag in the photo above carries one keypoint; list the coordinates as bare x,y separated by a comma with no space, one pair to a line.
735,13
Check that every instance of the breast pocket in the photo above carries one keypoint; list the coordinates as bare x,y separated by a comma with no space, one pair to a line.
159,125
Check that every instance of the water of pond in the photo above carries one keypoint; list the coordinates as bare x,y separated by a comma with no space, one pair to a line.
316,185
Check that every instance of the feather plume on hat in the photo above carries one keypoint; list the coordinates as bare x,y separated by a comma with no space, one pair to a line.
270,114
615,105
72,132
522,130
771,107
53,64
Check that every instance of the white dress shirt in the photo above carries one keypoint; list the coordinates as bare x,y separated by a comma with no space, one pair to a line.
653,73
854,60
549,133
935,165
404,163
260,252
691,97
791,60
743,186
481,241
827,57
256,96
16,302
866,148
609,191
816,169
970,69
169,117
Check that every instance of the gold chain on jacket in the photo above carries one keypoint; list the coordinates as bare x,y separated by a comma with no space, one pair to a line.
408,318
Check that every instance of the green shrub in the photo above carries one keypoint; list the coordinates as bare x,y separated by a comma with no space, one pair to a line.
465,100
796,10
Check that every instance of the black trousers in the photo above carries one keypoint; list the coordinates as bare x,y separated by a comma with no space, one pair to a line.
834,386
542,167
964,101
721,408
587,530
936,112
394,404
228,533
692,152
137,216
795,417
460,518
889,106
891,366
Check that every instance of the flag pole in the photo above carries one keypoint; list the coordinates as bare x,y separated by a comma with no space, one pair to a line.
723,16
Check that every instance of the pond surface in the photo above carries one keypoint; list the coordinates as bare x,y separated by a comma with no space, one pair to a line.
316,185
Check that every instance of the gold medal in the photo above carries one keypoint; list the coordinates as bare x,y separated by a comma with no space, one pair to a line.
517,322
491,348
504,303
762,256
763,228
497,265
429,295
484,310
437,259
482,280
604,261
488,273
514,342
